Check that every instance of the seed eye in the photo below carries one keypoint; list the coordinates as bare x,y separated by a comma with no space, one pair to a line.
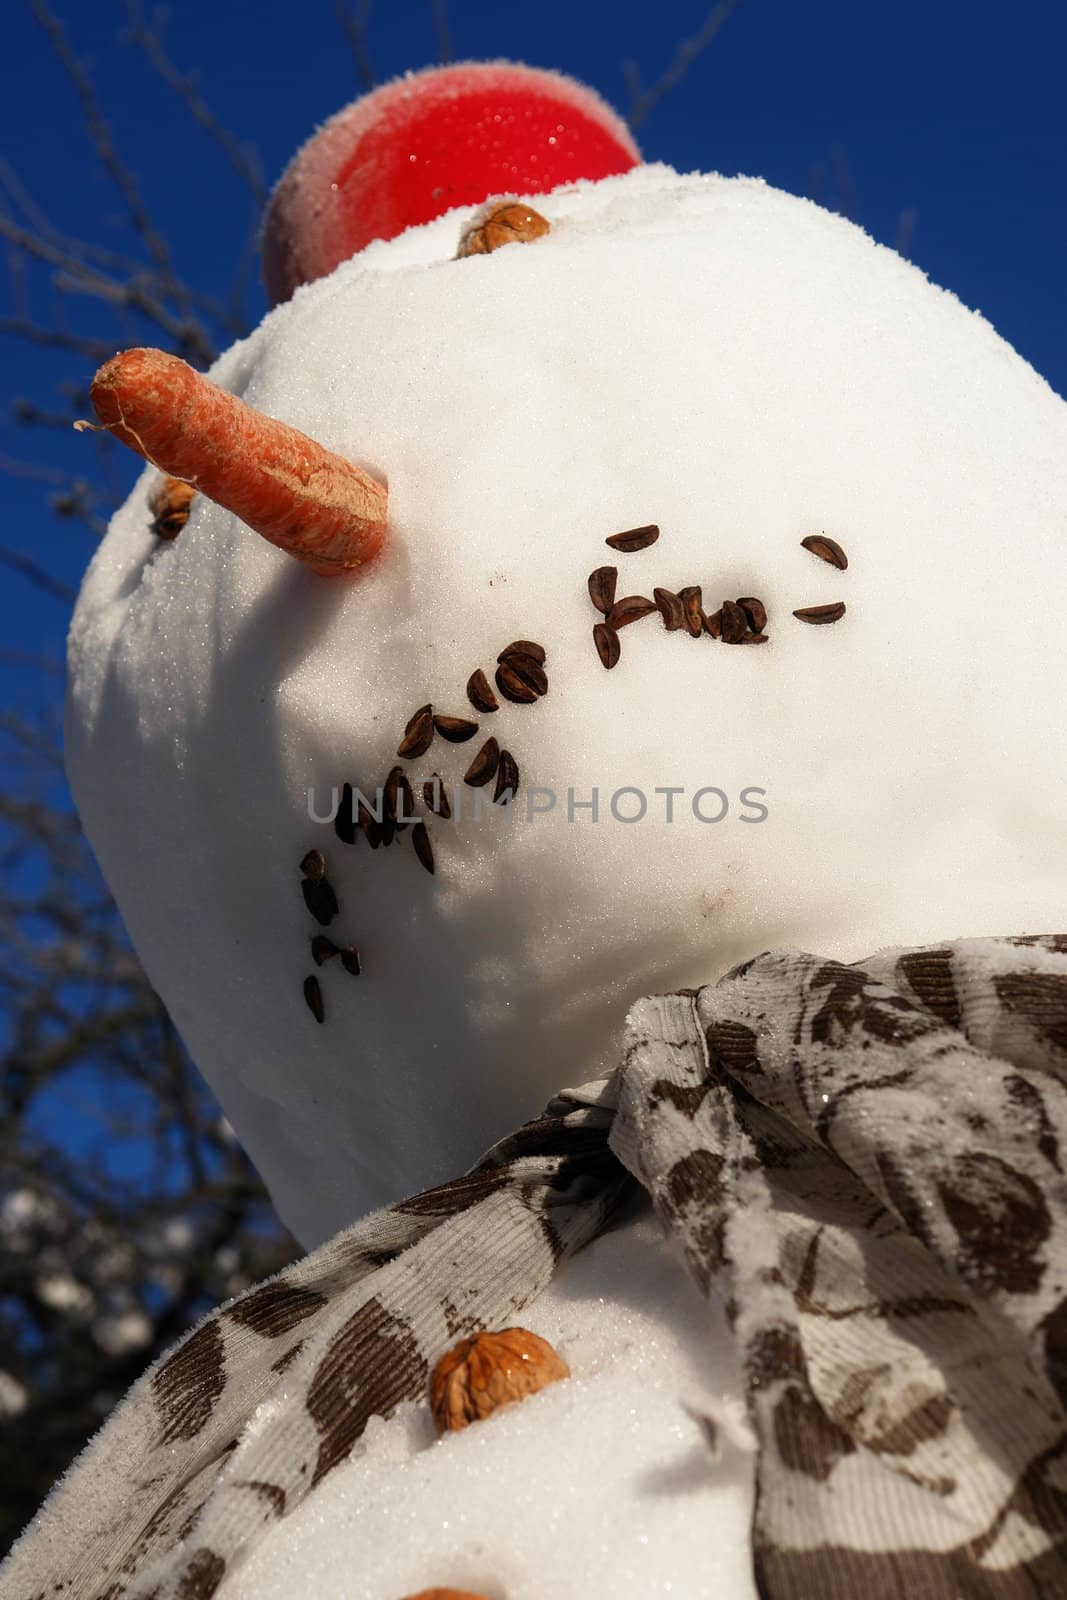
819,615
633,539
827,549
505,222
170,503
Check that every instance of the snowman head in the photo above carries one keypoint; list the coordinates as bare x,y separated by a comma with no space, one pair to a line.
773,393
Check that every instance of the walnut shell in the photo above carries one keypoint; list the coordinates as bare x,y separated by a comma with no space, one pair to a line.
170,503
511,222
445,1594
489,1370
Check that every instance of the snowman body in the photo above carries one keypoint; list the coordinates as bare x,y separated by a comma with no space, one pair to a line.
733,365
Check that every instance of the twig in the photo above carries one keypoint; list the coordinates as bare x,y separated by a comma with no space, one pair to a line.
76,277
94,350
34,469
27,568
187,332
244,162
686,54
353,20
631,77
26,658
71,497
100,133
138,292
31,415
243,274
846,189
25,735
442,32
905,231
81,249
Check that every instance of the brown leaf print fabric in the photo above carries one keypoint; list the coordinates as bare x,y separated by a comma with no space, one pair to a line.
864,1161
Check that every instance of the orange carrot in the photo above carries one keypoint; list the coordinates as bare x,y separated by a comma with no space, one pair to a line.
299,495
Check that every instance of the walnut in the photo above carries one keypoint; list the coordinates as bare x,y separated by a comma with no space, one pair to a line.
444,1594
489,1370
170,503
506,222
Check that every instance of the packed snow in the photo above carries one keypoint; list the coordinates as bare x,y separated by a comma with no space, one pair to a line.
742,369
733,364
604,1483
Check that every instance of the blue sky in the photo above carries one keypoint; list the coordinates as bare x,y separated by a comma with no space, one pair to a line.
952,111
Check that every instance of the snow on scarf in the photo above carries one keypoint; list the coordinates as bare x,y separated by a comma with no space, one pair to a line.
866,1160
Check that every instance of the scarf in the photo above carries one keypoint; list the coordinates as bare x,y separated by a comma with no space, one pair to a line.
865,1160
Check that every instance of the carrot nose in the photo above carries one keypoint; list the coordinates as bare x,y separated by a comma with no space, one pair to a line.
294,492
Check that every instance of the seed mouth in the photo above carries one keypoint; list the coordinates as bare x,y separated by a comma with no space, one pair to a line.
521,678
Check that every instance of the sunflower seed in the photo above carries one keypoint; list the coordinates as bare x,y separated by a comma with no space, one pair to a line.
418,735
344,823
314,864
391,803
602,588
507,778
322,949
734,623
350,961
423,848
457,730
826,549
370,826
436,798
634,539
524,647
607,643
694,612
398,800
480,694
713,624
484,765
670,608
817,614
528,670
313,996
320,899
755,638
755,611
631,608
513,687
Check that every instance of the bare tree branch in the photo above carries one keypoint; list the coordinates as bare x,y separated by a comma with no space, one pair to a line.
905,234
442,32
136,294
353,16
94,350
41,579
100,133
843,184
26,658
685,55
243,161
81,249
118,1232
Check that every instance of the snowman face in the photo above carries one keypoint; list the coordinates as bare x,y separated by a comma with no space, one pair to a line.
731,365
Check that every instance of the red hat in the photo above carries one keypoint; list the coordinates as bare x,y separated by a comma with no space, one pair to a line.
413,149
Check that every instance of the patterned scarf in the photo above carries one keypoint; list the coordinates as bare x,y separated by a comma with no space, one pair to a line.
865,1160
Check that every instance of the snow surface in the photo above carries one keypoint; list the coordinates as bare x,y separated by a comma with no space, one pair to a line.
743,369
603,1484
734,364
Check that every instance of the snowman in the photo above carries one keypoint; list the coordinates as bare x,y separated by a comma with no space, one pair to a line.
592,648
